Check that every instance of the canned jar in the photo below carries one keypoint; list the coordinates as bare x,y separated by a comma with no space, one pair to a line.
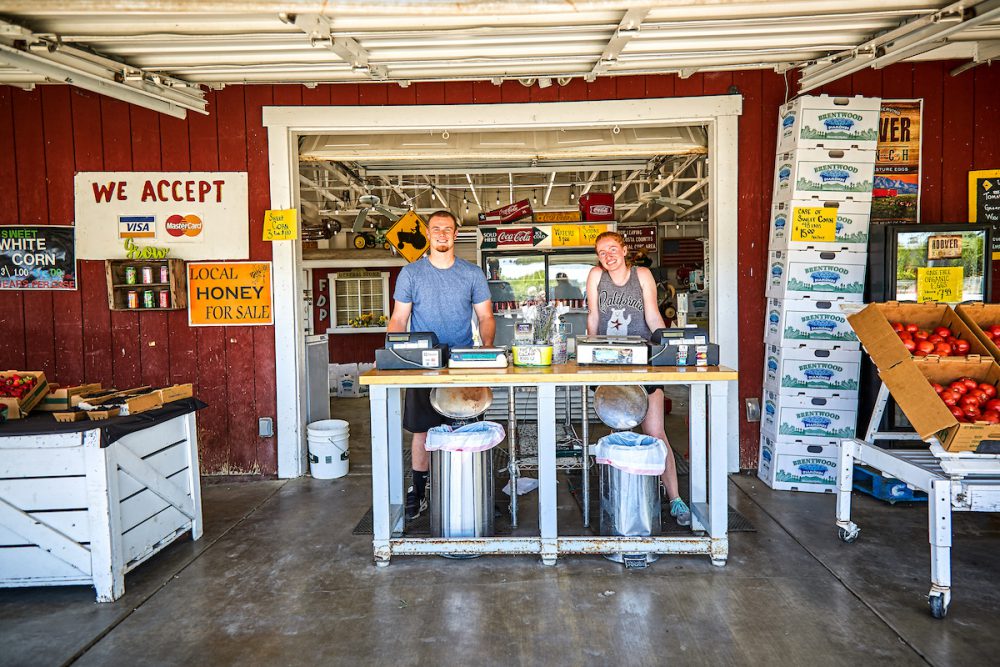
147,275
147,299
133,299
164,274
164,296
130,275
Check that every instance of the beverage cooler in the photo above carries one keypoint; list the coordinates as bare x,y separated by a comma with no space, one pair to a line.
918,263
538,263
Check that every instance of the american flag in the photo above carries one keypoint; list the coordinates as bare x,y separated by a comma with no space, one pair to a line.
678,252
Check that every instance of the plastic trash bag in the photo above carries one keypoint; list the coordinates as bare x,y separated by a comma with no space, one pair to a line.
632,452
474,437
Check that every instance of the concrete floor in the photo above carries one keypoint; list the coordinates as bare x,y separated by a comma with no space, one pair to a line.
278,578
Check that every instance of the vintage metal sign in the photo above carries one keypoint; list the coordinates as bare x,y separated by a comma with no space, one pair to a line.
896,190
41,257
408,235
197,215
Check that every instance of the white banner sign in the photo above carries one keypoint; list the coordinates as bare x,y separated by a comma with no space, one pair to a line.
197,215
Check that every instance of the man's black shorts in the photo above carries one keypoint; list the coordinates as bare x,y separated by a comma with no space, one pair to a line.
418,414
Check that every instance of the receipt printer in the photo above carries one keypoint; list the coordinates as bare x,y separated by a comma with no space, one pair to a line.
409,350
682,346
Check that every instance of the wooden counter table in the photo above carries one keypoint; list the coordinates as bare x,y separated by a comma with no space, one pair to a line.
708,456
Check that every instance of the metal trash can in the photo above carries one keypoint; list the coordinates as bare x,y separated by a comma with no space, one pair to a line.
631,464
461,479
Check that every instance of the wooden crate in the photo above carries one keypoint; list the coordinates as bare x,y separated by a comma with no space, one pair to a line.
73,512
118,289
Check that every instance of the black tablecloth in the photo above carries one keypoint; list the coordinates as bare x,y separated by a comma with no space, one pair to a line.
43,423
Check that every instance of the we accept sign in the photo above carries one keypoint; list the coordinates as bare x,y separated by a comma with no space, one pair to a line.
196,215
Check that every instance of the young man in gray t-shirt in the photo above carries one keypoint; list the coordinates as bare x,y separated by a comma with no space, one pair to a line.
438,293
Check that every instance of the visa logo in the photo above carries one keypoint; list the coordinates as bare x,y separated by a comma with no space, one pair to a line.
136,227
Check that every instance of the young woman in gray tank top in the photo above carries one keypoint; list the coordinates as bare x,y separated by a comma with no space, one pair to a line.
621,301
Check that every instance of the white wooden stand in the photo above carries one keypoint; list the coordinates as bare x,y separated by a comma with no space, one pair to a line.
73,512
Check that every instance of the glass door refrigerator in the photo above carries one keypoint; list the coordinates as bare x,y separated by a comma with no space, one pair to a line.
897,255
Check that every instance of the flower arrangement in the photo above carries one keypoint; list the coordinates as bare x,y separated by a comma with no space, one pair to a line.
543,316
367,320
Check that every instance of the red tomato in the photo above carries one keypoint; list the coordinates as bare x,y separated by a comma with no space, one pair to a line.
905,335
934,338
913,328
897,326
925,346
961,346
910,345
958,387
979,394
942,349
950,397
972,412
969,382
920,335
994,330
969,401
991,416
988,389
993,404
937,388
958,413
944,332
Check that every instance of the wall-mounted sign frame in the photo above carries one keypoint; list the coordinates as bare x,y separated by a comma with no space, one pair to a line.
37,257
229,294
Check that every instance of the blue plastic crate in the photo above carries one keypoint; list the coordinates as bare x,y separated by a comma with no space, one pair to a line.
888,489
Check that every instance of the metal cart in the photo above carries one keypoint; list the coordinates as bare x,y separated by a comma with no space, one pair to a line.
953,481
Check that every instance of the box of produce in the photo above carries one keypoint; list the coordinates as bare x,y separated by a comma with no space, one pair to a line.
820,224
796,274
892,332
796,321
175,392
829,173
21,391
929,392
823,120
984,321
127,402
822,371
60,398
793,466
808,418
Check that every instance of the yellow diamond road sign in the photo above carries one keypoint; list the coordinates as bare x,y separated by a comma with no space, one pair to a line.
408,235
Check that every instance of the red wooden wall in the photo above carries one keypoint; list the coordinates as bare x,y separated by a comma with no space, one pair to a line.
347,348
48,134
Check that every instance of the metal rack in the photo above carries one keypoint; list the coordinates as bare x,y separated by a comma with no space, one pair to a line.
954,482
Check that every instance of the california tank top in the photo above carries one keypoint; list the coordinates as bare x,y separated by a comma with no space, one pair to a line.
621,308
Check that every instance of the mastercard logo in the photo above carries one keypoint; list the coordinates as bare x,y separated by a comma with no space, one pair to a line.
187,225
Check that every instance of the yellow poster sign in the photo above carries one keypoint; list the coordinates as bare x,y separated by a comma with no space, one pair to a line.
814,224
940,283
565,235
408,235
589,233
556,216
229,293
281,225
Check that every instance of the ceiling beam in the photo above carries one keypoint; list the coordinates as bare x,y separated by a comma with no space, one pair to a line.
348,49
590,182
985,52
627,28
548,189
626,183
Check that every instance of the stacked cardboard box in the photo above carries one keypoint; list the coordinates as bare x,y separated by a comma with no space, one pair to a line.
817,255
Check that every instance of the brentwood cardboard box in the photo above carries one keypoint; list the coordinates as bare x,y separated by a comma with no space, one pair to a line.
872,325
795,274
808,418
849,230
821,371
978,316
829,173
788,466
811,321
20,407
832,122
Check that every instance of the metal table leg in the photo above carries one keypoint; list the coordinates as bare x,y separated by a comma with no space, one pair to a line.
547,502
512,445
586,459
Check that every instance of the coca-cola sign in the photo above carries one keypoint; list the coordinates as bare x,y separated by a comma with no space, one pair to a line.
601,209
498,237
510,213
520,236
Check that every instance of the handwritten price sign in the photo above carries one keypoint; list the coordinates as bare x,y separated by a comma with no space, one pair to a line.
940,283
814,224
280,225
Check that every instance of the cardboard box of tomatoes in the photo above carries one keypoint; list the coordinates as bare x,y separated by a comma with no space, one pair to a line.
21,391
984,320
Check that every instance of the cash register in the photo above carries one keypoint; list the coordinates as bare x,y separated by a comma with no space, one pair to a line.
408,350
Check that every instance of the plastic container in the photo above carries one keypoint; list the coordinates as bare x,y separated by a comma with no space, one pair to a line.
329,442
532,355
629,483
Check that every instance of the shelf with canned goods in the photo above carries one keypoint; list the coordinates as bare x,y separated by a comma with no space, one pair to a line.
146,284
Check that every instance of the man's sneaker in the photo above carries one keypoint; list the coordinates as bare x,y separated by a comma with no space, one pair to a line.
415,505
679,510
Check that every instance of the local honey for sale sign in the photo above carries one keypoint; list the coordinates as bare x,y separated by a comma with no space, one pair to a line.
229,293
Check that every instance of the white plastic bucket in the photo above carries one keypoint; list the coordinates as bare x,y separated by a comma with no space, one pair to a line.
328,448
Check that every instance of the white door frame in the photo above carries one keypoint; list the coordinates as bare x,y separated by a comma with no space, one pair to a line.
719,114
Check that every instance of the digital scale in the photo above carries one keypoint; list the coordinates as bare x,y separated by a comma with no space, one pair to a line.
406,350
477,357
612,350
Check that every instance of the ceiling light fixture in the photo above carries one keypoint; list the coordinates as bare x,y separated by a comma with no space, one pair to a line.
572,192
534,196
614,184
498,197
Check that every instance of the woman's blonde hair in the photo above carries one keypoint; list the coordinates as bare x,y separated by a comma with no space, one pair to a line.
616,237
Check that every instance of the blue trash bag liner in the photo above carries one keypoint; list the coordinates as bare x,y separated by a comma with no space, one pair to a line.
474,437
632,452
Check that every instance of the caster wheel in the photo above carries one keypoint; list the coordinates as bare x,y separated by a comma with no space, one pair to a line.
849,535
939,608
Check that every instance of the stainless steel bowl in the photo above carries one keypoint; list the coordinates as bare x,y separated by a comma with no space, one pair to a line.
461,402
621,407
